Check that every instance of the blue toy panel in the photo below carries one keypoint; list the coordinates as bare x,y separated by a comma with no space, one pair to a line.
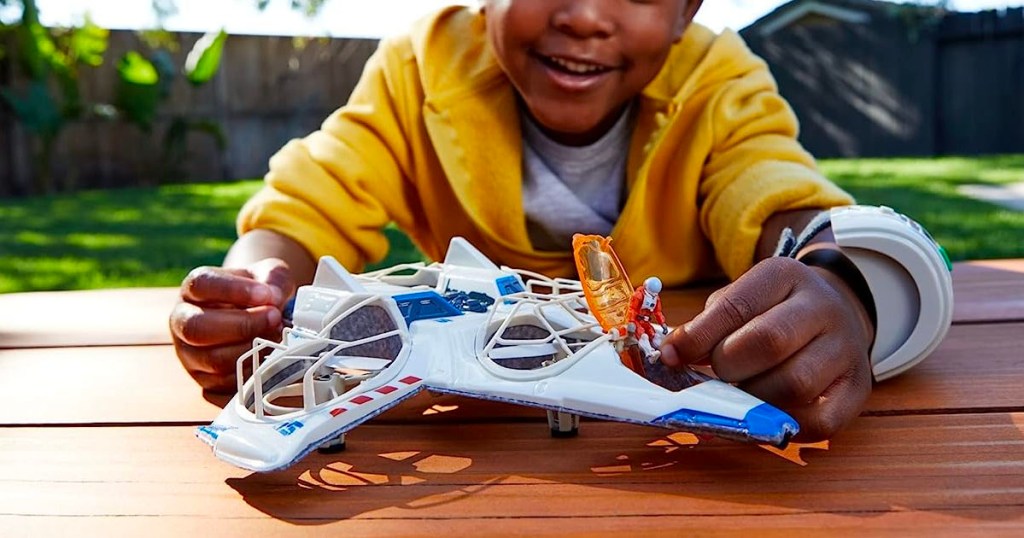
507,285
424,305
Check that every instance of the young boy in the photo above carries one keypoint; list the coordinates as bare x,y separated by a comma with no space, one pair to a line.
520,123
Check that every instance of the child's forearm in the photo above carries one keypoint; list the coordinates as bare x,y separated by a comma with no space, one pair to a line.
258,245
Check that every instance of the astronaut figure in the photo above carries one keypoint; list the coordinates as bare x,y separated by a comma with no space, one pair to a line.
645,308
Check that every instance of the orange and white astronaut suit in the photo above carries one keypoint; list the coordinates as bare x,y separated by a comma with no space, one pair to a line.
645,308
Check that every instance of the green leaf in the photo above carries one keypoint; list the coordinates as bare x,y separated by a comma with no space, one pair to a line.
165,68
139,91
212,129
37,51
138,103
37,110
203,60
136,69
89,43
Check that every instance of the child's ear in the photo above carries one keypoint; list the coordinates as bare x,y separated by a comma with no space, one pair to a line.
686,17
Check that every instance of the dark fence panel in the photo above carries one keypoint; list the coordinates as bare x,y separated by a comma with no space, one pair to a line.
899,85
269,90
981,83
8,134
858,89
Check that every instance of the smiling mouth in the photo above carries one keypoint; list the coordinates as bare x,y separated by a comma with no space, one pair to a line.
573,67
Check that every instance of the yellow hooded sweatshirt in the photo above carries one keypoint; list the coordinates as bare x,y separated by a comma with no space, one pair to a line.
430,139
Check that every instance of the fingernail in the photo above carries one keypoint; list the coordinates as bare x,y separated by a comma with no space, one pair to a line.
260,294
273,317
277,296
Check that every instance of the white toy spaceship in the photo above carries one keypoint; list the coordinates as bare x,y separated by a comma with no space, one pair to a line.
360,344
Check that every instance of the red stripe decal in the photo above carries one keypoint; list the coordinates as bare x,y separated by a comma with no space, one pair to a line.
361,399
410,380
386,389
337,411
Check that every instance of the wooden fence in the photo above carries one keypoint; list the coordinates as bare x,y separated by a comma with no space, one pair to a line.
902,86
269,90
887,87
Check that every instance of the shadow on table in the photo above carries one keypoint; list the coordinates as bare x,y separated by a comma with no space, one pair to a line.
514,469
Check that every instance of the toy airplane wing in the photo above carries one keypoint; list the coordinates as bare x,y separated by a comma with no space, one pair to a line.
362,344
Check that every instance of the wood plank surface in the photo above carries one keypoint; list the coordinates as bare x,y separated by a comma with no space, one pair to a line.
986,522
128,316
977,367
948,473
988,290
144,384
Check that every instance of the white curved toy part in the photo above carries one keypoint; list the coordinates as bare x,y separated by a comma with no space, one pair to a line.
331,373
909,277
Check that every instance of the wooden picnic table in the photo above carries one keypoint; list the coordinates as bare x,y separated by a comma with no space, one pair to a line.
97,420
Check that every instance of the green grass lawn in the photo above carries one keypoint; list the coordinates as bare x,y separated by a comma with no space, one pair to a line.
126,238
925,189
153,237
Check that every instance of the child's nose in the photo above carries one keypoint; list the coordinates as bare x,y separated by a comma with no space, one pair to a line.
585,18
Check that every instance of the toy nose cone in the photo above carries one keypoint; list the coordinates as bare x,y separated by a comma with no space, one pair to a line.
246,452
767,423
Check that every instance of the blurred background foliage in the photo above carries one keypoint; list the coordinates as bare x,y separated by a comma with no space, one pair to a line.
153,235
52,60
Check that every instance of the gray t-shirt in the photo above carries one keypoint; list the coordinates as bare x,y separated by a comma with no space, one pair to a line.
573,189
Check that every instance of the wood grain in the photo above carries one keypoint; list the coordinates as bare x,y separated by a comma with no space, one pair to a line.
963,472
977,367
988,290
144,384
130,316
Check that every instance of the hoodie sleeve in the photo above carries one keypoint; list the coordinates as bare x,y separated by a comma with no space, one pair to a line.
756,166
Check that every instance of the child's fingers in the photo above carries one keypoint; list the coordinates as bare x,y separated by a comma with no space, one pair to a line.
803,377
220,383
764,286
278,276
211,360
768,340
833,409
209,285
198,326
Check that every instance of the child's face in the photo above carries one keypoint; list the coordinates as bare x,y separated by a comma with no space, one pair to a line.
577,62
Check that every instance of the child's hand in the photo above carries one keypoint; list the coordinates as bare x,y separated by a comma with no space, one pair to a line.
794,336
221,311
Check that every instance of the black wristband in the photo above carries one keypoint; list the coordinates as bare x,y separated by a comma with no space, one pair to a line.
839,264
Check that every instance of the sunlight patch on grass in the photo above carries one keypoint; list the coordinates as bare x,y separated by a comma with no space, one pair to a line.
153,237
996,169
46,273
101,241
28,237
1001,176
926,190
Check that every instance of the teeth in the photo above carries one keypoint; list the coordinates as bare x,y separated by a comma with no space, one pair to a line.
576,67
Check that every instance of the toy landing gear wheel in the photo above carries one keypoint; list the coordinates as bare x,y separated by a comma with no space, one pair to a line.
333,446
563,424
